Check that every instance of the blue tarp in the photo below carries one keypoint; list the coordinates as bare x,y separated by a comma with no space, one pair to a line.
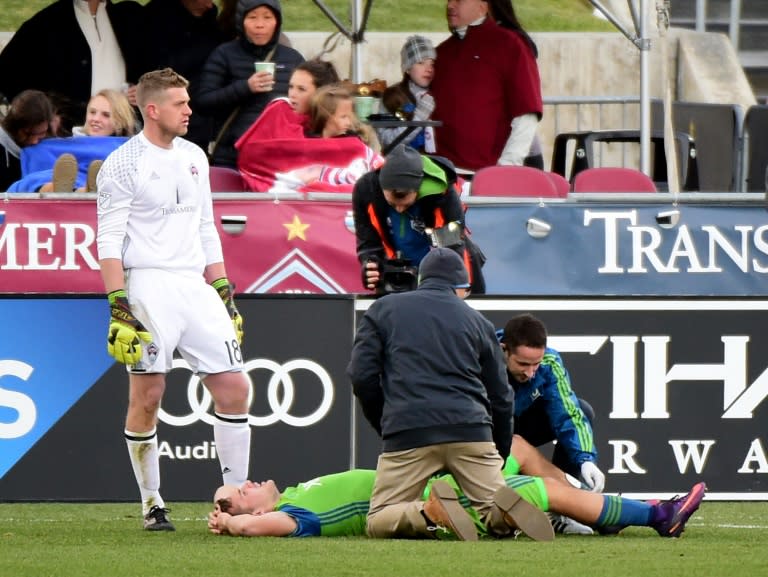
37,161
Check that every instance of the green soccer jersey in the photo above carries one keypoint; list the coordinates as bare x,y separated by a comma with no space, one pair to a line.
337,505
331,505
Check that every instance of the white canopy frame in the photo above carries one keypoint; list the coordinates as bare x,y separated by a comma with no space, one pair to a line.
356,34
640,38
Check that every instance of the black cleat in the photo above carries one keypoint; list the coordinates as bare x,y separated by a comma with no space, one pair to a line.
157,520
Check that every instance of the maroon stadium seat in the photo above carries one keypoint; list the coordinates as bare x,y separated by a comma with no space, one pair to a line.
612,179
513,181
561,183
225,179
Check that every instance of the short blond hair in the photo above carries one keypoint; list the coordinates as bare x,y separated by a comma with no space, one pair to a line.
123,117
153,84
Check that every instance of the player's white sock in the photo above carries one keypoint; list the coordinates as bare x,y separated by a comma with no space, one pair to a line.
142,448
233,445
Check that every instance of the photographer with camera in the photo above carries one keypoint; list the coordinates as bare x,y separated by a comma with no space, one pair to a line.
401,211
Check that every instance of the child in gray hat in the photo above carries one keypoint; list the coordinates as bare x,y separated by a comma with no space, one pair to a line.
410,99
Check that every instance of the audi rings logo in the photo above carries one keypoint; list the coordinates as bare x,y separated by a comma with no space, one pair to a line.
200,400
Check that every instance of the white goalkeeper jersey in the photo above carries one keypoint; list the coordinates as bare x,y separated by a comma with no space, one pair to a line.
155,208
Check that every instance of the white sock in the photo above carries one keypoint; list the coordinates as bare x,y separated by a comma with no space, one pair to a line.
232,435
142,448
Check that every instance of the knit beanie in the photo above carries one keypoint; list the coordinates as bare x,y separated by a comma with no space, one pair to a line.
446,265
416,49
403,169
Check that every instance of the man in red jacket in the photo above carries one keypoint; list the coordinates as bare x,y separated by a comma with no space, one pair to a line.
487,89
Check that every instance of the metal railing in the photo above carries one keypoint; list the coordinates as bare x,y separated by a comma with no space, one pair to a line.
564,114
592,113
734,20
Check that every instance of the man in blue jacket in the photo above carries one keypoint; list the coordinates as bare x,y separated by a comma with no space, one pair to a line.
546,407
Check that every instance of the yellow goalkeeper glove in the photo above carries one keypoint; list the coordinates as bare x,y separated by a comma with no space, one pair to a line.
125,331
226,292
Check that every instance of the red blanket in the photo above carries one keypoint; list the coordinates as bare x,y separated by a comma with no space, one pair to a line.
275,143
277,120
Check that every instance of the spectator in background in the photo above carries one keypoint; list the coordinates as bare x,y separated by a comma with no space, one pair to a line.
183,35
546,408
289,117
489,105
410,99
27,122
227,26
67,164
108,114
273,153
64,120
393,207
230,90
75,48
332,115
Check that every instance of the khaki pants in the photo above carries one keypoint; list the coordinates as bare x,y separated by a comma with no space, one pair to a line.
402,475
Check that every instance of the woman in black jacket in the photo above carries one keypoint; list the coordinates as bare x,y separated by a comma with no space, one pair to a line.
230,87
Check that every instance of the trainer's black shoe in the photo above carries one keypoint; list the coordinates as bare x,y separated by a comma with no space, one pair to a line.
157,520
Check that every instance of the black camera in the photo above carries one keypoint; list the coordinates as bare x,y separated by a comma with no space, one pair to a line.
398,275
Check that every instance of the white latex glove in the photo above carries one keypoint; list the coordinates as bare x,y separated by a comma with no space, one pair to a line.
592,477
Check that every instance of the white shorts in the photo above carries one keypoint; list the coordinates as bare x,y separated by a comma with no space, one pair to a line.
183,313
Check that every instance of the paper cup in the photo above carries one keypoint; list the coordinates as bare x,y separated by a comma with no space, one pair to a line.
364,106
264,67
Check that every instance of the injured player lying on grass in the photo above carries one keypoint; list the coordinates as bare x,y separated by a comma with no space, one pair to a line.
337,505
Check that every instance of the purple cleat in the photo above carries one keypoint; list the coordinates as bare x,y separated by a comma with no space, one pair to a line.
670,517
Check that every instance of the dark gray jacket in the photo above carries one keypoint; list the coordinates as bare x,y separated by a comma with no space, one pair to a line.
427,369
223,84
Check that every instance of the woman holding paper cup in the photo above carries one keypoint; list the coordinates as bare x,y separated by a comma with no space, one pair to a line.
242,76
288,117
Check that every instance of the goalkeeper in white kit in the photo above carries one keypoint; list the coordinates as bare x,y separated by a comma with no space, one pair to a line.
163,271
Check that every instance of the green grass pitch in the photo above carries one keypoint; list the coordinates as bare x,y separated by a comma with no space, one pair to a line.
106,540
